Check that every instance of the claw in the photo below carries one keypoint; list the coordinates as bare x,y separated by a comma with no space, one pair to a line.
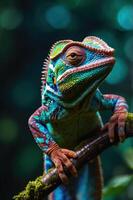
117,118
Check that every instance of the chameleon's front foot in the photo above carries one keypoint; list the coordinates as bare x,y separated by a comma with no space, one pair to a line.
61,157
118,118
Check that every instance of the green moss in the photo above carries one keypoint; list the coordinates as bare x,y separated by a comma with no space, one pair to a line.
129,122
35,190
130,116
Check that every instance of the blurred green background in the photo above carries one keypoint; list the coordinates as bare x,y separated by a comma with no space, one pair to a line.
27,31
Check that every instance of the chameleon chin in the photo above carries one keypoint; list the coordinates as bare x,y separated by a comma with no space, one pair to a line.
70,112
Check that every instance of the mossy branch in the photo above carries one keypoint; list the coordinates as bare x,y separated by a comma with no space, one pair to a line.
43,185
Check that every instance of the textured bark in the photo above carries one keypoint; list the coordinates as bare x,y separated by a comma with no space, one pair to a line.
42,186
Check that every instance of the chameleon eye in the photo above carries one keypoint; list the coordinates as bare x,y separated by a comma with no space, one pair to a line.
75,55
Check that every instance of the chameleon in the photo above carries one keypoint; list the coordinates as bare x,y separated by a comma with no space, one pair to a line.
71,103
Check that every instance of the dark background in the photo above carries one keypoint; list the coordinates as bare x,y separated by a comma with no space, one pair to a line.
27,31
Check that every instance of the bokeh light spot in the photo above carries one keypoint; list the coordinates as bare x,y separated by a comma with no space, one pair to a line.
26,161
129,48
23,93
58,16
125,17
8,130
118,73
10,18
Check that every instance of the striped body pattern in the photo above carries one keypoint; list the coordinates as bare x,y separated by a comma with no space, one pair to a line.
72,101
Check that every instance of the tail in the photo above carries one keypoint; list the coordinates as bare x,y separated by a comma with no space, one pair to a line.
97,177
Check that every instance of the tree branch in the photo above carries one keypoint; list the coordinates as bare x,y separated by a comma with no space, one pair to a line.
86,151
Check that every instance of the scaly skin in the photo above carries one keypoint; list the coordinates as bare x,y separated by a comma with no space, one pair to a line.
71,102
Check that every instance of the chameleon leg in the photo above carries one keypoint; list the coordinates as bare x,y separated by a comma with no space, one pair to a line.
77,188
62,192
97,177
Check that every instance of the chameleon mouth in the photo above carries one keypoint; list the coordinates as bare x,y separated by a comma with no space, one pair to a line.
91,66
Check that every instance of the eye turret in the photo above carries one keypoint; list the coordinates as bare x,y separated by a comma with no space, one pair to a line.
75,55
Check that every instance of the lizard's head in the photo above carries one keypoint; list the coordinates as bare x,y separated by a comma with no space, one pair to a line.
79,67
